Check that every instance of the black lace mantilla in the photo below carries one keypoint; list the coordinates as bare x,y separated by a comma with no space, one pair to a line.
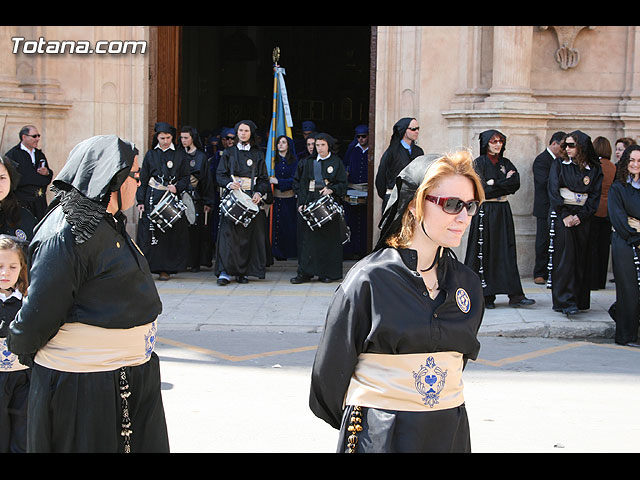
83,214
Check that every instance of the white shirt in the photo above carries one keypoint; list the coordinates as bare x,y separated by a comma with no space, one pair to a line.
32,153
170,147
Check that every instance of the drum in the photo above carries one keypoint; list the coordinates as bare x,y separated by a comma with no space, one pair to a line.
321,211
167,212
238,207
190,208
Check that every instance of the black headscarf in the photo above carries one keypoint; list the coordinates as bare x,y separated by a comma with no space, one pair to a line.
486,136
406,185
586,146
95,168
163,127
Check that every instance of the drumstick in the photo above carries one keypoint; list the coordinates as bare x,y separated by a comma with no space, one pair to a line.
206,215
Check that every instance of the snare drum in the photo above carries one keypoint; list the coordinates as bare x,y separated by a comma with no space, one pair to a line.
167,212
239,207
321,211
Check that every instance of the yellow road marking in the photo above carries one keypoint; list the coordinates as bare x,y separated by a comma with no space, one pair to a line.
233,358
492,363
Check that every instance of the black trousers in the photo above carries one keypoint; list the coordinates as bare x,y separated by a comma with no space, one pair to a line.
14,398
570,278
542,248
599,245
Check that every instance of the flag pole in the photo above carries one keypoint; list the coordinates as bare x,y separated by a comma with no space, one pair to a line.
276,57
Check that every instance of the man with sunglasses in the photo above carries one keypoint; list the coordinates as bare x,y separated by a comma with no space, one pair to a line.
401,151
491,246
35,174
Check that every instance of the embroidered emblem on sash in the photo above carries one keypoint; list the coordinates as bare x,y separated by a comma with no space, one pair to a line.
429,382
21,235
463,300
7,358
150,340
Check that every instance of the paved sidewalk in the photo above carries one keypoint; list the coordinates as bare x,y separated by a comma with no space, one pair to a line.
193,301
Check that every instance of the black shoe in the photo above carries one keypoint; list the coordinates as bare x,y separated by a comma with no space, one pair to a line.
300,279
570,310
490,306
223,281
522,303
242,279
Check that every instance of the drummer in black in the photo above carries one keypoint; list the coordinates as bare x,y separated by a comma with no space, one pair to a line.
575,183
242,251
324,174
623,206
201,189
163,169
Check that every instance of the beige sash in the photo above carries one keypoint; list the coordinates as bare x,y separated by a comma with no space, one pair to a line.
573,198
78,347
9,361
420,382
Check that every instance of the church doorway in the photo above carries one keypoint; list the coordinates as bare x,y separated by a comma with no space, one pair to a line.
216,76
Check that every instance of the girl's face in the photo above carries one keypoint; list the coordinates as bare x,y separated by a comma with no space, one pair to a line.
619,150
322,147
10,266
5,182
283,146
311,144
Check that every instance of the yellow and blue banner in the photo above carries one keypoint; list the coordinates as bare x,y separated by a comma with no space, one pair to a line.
281,121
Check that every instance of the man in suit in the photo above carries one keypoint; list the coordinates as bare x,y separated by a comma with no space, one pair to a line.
35,174
541,166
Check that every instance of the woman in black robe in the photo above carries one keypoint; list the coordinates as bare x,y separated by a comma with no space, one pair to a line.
575,183
89,323
201,189
163,169
242,251
321,250
624,213
491,246
401,151
404,322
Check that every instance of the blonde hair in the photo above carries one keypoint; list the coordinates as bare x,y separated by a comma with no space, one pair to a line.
456,163
22,284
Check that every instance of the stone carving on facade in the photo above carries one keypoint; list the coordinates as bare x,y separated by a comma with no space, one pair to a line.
566,55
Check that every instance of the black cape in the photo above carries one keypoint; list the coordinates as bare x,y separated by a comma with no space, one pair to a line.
382,307
85,268
243,250
165,251
496,241
321,251
623,202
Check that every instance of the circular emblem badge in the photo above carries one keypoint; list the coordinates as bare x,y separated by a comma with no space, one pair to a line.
192,163
169,164
463,300
249,162
586,180
21,235
329,169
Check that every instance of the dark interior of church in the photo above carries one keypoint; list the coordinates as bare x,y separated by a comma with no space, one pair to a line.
227,76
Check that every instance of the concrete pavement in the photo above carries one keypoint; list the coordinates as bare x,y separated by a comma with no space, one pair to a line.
193,301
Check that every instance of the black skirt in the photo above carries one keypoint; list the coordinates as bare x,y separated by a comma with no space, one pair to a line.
390,431
82,412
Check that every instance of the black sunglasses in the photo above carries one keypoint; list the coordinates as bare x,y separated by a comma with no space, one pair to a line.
413,129
453,205
569,145
37,135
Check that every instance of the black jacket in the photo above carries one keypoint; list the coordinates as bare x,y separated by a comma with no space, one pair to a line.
30,180
541,167
104,281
